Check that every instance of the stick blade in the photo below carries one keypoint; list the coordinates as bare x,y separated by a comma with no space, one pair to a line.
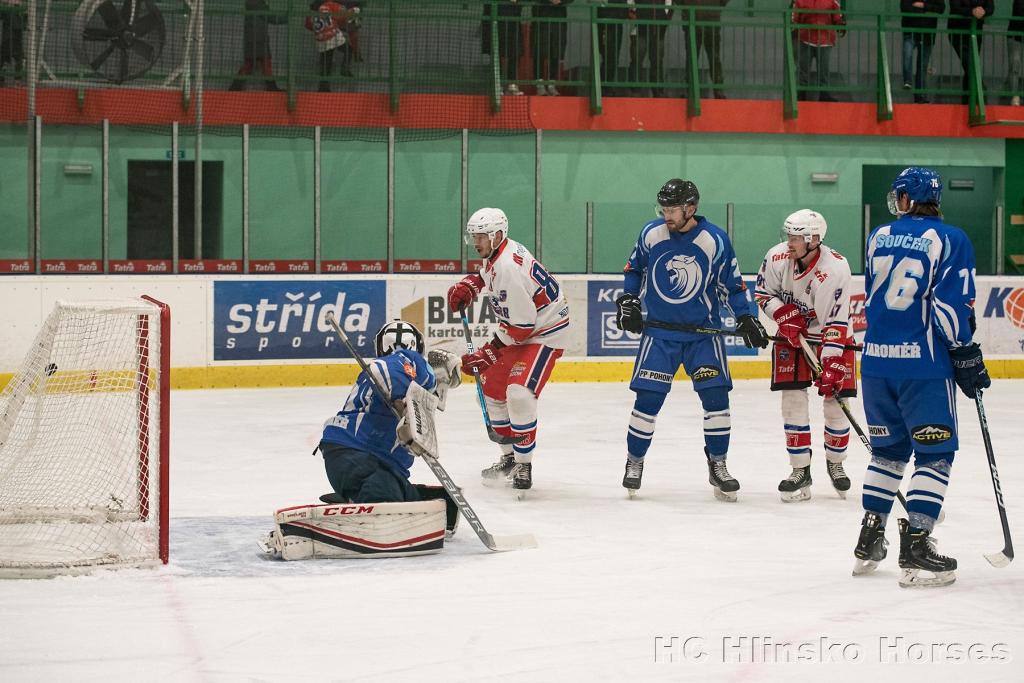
498,438
515,542
1000,559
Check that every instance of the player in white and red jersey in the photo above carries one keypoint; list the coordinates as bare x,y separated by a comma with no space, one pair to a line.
533,331
805,286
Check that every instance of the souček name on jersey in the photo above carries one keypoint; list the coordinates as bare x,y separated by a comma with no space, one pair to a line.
903,241
905,350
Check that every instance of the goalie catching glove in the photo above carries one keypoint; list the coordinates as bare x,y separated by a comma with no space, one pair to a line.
445,365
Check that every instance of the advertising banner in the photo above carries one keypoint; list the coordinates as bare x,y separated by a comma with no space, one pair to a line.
287,319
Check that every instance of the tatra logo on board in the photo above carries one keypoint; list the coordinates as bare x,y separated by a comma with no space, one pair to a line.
287,319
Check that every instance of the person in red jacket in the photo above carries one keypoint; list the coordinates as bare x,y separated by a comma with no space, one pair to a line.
815,39
327,25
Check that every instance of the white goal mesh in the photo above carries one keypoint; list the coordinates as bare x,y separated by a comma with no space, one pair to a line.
83,442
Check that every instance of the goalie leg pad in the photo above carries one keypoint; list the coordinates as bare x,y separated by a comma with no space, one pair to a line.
431,492
310,532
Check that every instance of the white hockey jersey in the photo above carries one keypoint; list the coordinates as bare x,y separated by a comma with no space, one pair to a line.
821,292
528,301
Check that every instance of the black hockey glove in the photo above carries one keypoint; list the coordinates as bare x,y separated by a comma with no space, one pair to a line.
969,370
628,316
748,327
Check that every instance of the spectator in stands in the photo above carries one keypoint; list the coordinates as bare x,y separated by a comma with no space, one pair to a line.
327,25
918,15
609,36
962,13
816,41
649,43
256,43
709,39
1015,41
549,41
351,46
509,43
12,28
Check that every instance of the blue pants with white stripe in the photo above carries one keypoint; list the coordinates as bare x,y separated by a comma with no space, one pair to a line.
656,364
909,416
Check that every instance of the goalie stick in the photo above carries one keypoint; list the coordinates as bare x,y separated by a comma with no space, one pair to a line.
812,360
1005,556
697,329
496,543
491,434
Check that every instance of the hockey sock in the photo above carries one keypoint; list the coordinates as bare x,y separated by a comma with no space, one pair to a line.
641,422
837,432
522,411
928,491
717,422
797,426
497,412
881,482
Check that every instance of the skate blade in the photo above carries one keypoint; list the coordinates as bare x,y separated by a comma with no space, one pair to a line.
798,496
725,496
502,483
911,578
841,494
521,494
862,567
633,493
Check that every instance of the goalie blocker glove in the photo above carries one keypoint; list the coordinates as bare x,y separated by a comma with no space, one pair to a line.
792,324
464,292
748,327
627,314
969,370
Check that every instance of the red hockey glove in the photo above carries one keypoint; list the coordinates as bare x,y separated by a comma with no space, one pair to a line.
833,374
464,292
792,324
481,359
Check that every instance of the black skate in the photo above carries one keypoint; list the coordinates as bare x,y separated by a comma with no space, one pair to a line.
723,484
840,482
634,472
797,486
871,544
522,478
499,473
917,553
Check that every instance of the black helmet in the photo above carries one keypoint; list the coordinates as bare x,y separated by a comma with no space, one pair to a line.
678,192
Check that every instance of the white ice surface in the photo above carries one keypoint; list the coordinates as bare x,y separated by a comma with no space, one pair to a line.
610,576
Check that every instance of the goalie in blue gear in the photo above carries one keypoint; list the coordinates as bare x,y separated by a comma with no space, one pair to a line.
919,303
684,265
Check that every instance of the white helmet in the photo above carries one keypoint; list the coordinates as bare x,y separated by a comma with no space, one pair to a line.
807,223
487,222
398,334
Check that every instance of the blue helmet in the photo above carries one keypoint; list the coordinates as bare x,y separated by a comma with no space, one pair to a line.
921,185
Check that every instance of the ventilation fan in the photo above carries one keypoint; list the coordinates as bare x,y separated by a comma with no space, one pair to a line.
118,43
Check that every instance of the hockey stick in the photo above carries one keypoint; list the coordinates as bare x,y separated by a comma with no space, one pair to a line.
812,360
697,329
1005,556
491,434
497,543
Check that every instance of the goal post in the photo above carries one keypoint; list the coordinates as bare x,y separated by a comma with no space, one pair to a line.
84,442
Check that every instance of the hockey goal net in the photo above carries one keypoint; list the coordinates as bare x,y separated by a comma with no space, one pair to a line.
84,442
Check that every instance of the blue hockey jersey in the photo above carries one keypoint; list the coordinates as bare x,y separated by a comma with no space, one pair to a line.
682,277
919,297
365,423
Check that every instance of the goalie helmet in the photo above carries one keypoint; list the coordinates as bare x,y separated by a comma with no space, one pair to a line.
398,334
921,185
678,192
806,223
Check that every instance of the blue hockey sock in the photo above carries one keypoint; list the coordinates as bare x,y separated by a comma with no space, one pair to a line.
928,491
641,422
717,421
881,482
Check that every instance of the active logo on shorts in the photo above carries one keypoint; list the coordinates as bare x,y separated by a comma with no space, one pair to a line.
655,376
931,434
878,430
704,373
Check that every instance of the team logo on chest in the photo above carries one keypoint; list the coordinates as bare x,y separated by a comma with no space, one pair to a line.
677,278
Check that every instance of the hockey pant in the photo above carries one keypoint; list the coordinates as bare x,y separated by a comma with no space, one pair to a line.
362,477
511,388
910,416
790,370
796,422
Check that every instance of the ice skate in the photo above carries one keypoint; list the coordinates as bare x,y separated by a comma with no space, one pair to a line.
871,545
500,472
797,486
522,478
271,544
917,554
634,472
723,484
840,482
